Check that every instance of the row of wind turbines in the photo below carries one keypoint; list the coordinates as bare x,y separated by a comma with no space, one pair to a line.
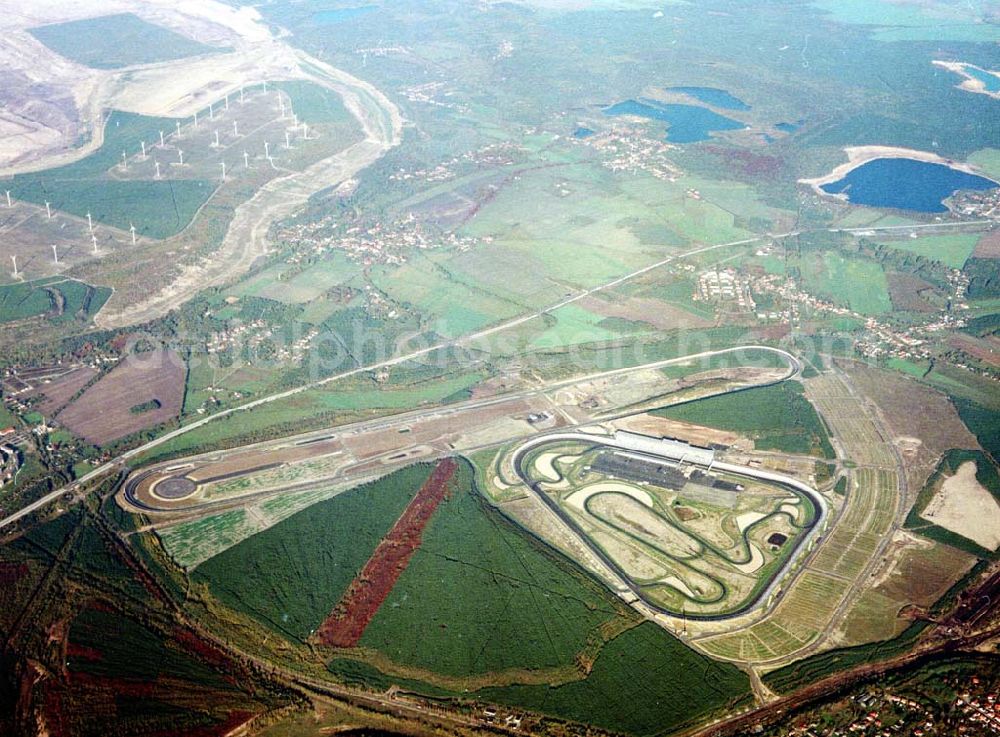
286,113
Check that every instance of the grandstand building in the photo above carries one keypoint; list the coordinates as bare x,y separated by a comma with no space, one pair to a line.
675,450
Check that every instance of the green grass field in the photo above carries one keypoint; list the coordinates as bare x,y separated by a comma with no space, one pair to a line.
525,608
953,249
575,325
645,682
514,592
855,283
41,297
116,41
315,105
987,159
158,208
983,422
777,417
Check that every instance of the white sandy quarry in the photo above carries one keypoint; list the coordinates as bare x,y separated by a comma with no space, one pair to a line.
170,88
963,506
177,89
969,83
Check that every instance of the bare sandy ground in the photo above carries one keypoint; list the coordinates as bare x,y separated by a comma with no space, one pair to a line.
653,425
969,83
963,506
178,89
860,155
170,88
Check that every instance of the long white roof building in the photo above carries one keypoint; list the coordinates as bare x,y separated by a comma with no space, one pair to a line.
676,450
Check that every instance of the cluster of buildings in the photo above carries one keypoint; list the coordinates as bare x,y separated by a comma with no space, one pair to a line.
983,204
504,50
630,149
428,92
492,155
960,285
873,715
725,286
510,721
381,243
881,339
248,338
378,305
10,459
982,713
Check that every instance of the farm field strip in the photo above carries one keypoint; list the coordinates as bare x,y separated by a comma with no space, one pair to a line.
797,622
850,425
359,604
868,519
813,606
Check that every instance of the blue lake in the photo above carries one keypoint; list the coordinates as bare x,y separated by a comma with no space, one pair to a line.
991,81
712,96
905,184
339,15
687,123
582,132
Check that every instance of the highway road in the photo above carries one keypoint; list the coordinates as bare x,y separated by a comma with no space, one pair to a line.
396,421
410,356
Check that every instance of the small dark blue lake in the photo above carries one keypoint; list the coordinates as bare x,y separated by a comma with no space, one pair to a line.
712,96
905,184
339,15
582,132
789,127
686,123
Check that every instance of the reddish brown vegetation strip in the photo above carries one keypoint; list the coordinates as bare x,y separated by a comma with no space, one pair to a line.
907,293
977,348
11,573
358,605
746,162
988,246
104,412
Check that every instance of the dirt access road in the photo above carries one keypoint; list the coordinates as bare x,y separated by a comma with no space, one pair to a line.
247,236
250,54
